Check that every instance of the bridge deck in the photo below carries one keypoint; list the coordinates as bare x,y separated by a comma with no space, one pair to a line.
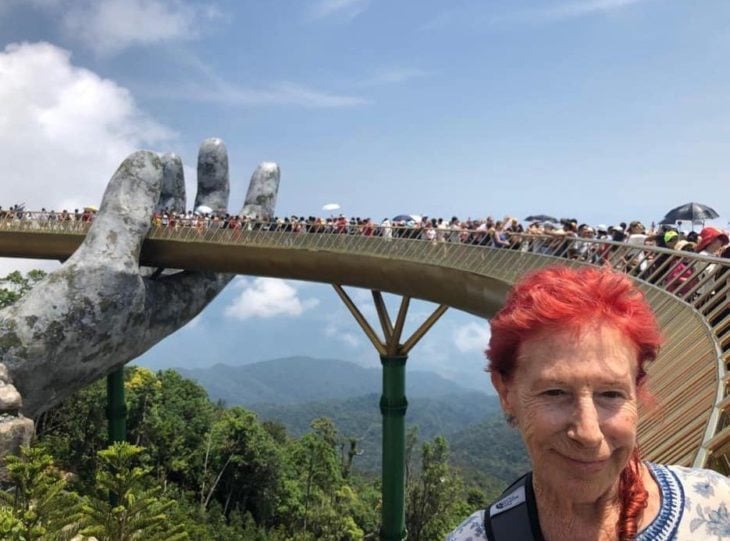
691,424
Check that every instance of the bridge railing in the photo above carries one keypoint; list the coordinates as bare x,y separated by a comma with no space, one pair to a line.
671,279
702,282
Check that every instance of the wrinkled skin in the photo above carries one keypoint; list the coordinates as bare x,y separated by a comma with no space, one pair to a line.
100,310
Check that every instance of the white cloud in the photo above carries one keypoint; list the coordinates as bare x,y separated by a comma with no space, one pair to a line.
347,9
334,330
471,337
569,10
283,93
209,87
473,16
266,298
108,26
63,129
394,76
360,295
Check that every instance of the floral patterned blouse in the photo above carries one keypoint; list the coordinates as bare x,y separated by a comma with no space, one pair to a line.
694,508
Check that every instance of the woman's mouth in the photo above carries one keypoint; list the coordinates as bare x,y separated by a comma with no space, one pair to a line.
586,465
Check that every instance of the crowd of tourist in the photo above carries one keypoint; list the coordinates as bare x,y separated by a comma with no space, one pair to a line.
565,238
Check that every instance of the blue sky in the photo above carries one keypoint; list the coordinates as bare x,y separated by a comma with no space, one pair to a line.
602,110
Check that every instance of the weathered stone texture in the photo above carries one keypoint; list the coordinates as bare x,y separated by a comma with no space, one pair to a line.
262,192
100,310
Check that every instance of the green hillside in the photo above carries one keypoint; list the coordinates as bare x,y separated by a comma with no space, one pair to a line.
294,391
296,380
490,446
359,417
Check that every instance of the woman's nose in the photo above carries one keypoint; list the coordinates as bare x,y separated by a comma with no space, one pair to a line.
586,427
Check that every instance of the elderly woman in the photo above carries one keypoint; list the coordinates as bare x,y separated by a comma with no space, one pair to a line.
567,357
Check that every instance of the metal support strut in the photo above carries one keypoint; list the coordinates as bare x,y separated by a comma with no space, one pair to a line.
393,403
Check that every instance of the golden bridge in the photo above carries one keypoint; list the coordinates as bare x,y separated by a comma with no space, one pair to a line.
690,426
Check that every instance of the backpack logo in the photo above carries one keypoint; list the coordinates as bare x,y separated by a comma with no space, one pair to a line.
514,498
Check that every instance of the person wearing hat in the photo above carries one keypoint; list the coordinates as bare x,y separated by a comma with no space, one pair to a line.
679,276
637,236
712,239
670,239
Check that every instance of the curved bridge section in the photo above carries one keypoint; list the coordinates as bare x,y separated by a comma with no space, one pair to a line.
690,425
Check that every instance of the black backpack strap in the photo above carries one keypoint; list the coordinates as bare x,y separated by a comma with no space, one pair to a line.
513,517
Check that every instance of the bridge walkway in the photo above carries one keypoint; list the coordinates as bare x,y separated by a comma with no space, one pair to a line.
690,426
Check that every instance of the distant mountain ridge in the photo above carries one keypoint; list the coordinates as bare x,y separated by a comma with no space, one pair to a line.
296,390
297,380
359,417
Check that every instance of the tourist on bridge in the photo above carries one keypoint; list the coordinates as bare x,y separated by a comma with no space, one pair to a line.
568,353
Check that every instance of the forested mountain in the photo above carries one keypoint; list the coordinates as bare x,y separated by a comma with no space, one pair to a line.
295,380
295,391
491,446
359,417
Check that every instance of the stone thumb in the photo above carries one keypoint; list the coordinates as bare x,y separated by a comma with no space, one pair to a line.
123,220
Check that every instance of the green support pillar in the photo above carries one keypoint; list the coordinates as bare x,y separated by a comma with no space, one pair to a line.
116,408
116,413
393,403
393,406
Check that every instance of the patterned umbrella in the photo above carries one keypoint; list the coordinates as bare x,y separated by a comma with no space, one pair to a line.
694,212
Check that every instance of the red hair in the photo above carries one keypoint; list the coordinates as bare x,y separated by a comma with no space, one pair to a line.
568,298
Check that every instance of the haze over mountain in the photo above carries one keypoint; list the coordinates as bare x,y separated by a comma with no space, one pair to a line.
296,390
296,380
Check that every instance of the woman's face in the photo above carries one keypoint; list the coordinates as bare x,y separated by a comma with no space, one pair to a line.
573,396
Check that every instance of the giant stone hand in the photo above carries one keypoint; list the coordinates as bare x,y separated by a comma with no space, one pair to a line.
100,310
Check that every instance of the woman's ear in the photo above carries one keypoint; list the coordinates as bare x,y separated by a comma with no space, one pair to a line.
502,388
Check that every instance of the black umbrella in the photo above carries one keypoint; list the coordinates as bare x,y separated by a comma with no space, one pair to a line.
404,218
694,212
540,218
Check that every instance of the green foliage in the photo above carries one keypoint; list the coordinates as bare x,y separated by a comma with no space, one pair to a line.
493,450
331,506
76,431
436,500
125,507
170,416
15,285
38,507
243,465
359,417
235,477
11,527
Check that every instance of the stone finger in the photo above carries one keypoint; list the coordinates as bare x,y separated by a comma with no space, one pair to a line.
213,184
262,192
172,193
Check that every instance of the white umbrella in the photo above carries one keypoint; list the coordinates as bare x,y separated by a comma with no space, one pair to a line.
331,206
204,209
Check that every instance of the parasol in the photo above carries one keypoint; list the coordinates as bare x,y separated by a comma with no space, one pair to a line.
694,212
